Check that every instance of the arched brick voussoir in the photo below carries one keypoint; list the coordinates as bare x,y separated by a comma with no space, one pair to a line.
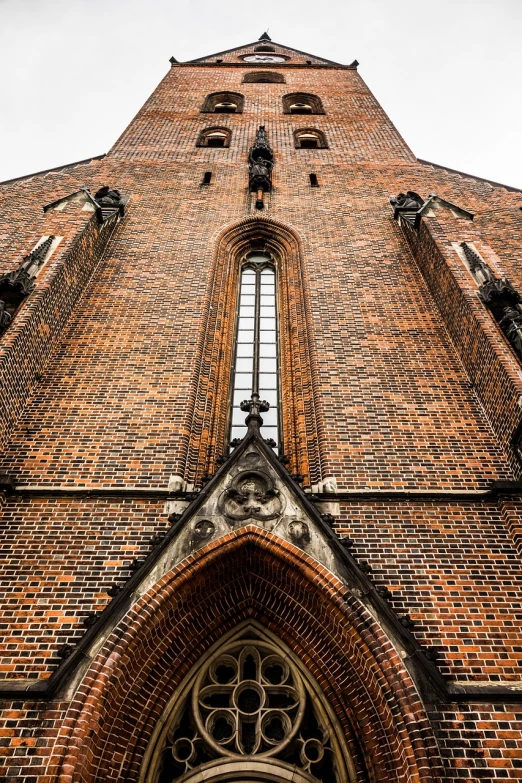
249,574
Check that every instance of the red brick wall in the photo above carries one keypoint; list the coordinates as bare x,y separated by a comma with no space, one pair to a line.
31,338
384,397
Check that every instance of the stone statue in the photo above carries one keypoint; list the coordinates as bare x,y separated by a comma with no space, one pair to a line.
260,160
260,171
409,200
107,197
511,325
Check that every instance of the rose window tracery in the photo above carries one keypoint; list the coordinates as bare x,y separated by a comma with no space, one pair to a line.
249,703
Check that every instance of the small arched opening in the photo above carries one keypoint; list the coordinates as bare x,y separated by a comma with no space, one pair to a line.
302,103
223,103
309,139
214,137
262,77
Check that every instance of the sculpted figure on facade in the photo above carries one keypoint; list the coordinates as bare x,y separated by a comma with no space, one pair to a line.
409,200
261,163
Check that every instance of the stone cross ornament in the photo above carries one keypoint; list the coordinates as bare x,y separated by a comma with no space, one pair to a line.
254,407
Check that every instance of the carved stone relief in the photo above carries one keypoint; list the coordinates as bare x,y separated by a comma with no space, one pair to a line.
299,531
252,495
204,528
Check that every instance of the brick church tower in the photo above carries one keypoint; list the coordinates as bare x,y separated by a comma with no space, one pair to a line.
261,395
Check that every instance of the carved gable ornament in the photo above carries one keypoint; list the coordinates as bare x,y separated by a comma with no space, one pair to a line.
252,495
253,492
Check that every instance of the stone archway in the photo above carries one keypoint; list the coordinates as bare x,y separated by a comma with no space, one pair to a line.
247,575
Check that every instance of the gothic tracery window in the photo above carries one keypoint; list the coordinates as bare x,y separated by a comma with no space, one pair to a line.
256,359
248,704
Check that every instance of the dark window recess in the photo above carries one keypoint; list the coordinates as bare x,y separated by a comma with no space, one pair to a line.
214,137
225,108
15,286
255,77
313,181
207,177
223,103
302,103
309,139
300,108
500,297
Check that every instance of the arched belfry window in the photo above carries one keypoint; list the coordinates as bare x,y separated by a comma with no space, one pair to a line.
214,137
223,103
302,103
256,365
249,713
310,139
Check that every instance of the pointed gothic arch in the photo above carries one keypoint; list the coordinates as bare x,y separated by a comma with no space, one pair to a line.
247,576
291,726
302,419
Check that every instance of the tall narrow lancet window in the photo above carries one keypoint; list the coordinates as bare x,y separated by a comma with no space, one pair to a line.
256,359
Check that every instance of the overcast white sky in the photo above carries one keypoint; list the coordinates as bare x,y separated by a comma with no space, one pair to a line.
74,72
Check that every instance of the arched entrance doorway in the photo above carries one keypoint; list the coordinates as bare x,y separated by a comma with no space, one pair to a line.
249,706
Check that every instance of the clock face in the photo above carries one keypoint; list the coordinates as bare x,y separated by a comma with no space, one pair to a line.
264,58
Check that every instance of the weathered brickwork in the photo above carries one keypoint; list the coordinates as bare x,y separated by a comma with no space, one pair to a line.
115,383
453,568
37,325
60,556
480,742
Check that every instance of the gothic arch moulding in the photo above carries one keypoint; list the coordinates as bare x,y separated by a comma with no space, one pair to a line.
252,583
249,704
301,420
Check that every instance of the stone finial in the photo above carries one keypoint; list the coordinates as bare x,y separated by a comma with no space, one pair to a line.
254,407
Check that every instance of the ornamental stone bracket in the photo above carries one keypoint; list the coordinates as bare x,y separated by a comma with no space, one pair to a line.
409,208
106,202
